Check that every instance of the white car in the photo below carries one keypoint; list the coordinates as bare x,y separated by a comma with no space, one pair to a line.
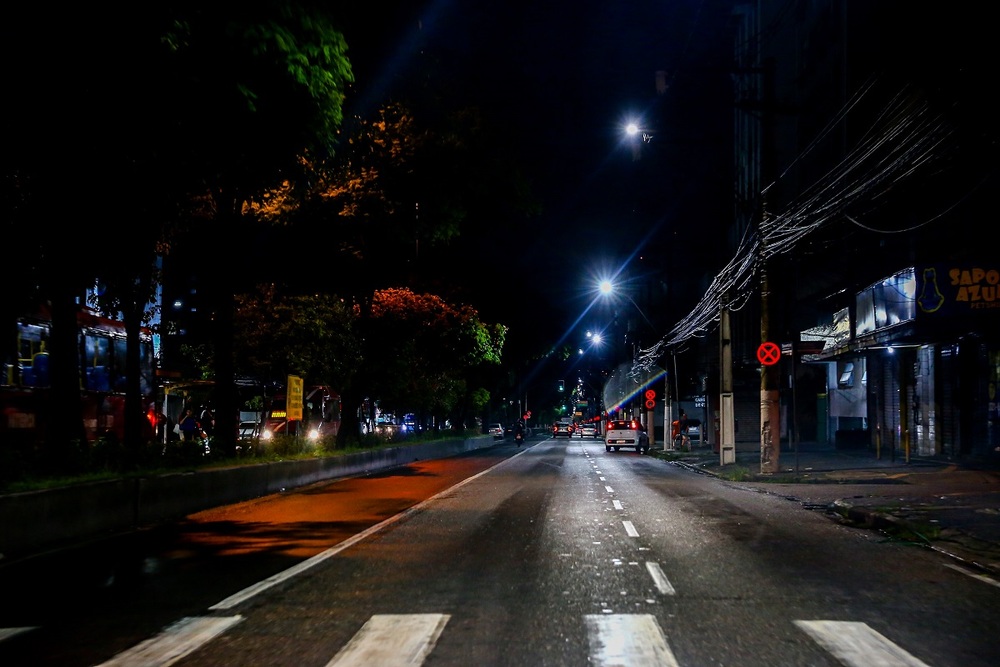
496,430
625,433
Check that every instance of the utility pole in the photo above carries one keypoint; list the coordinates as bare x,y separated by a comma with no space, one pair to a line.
727,432
770,408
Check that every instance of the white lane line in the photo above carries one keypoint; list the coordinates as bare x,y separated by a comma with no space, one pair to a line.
627,639
392,640
617,504
261,586
981,577
7,633
857,645
608,489
175,642
630,529
659,579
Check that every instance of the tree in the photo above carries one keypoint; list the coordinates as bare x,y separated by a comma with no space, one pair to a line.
248,93
311,336
421,350
194,103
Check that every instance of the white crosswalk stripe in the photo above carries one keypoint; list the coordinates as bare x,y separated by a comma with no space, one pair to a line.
857,645
614,640
392,640
175,642
635,640
7,633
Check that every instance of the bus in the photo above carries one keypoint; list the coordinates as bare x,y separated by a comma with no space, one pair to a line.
25,382
320,415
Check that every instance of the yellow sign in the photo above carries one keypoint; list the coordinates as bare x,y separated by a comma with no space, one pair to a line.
293,401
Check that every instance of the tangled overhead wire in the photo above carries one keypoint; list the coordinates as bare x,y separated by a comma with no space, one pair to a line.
906,138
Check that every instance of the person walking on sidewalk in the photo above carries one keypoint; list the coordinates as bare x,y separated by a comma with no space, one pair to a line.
681,440
189,427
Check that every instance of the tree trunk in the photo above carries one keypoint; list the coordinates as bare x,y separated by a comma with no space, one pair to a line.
135,432
223,286
65,434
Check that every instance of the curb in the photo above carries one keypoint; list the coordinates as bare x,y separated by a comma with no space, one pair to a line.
867,519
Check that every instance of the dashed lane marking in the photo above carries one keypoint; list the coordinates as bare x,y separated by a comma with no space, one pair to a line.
630,529
660,579
857,645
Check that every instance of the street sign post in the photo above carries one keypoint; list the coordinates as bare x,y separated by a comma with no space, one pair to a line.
293,398
768,353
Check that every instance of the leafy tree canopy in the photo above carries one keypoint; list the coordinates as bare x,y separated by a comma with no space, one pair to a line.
420,349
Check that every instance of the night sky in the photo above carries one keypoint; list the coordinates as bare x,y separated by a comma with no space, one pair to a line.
563,78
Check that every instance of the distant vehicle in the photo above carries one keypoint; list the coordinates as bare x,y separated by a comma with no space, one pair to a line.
320,415
386,428
626,433
248,430
496,430
589,430
562,428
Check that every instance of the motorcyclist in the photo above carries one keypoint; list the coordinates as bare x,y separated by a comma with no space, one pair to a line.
519,432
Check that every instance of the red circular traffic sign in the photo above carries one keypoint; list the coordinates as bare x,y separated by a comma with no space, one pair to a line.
768,353
650,394
650,404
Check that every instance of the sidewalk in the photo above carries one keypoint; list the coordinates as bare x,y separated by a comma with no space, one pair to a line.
952,507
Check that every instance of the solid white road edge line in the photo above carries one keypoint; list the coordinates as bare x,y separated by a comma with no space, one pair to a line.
276,579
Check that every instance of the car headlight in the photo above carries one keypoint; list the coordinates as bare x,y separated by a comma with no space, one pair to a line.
314,434
266,435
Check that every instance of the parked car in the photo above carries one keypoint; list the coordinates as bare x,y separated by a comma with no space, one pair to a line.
248,430
626,433
589,430
496,430
562,429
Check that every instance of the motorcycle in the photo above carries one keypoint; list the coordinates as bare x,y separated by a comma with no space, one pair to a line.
519,438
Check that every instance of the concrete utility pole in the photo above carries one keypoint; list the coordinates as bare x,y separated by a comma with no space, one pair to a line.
727,432
770,408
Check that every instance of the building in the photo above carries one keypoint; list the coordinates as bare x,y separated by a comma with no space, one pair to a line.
865,160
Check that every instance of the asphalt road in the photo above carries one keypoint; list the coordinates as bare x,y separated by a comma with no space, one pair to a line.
555,554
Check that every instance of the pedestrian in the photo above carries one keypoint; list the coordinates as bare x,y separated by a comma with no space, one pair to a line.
189,426
207,421
681,440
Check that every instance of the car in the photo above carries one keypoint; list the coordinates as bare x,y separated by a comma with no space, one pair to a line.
248,430
562,429
589,430
386,429
626,433
496,430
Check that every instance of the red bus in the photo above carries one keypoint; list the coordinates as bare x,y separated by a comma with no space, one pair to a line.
25,382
